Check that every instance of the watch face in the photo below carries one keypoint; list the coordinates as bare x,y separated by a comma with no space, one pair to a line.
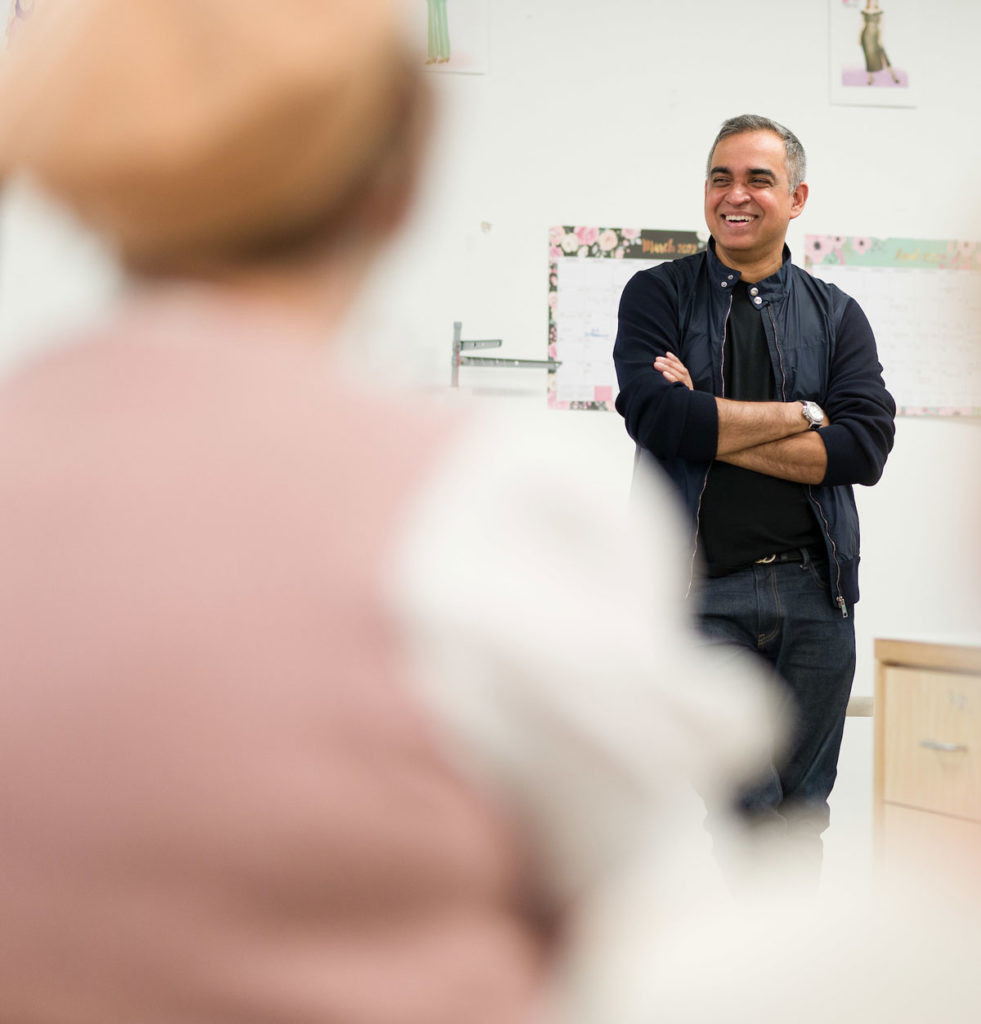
813,413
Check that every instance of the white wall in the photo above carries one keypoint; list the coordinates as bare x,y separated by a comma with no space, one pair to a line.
601,112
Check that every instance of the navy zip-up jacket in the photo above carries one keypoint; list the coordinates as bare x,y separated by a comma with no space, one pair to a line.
822,350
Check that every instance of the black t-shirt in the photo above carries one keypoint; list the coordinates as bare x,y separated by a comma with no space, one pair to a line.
746,515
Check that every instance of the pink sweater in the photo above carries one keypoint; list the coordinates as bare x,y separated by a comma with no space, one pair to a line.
220,799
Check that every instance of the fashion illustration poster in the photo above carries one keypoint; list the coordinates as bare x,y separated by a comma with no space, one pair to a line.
873,52
451,35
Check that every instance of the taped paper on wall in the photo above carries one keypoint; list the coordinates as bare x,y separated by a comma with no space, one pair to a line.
588,269
923,299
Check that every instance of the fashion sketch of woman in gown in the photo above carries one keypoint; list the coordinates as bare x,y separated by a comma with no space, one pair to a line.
438,51
871,41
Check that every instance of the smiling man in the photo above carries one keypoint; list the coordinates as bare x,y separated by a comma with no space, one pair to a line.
759,391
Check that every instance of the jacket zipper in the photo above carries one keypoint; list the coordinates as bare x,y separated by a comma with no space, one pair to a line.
694,547
839,600
722,349
776,345
698,508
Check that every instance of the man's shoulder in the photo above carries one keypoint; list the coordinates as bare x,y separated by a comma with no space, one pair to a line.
670,275
829,296
683,268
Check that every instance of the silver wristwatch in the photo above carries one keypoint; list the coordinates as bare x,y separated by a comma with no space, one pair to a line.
813,413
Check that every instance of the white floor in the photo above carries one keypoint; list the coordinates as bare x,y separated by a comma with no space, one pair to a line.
848,842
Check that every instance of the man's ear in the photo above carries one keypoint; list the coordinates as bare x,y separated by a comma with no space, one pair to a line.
798,200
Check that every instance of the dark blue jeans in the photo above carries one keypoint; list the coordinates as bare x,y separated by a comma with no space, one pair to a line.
783,613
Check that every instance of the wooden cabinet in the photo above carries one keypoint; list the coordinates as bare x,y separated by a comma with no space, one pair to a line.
928,752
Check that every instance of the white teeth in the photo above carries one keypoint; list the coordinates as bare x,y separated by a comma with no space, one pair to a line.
738,220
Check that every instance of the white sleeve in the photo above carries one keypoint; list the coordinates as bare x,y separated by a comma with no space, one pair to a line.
549,636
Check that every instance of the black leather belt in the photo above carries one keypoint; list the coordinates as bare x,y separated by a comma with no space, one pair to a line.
796,555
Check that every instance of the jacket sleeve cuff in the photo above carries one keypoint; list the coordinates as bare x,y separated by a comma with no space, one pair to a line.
845,465
701,434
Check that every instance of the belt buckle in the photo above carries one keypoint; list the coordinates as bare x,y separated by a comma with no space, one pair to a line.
767,560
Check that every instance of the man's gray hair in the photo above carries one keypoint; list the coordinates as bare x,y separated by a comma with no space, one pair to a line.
796,160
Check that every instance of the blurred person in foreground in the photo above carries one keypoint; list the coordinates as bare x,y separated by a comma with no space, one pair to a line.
320,704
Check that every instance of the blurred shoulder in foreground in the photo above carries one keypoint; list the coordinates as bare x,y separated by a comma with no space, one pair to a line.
318,703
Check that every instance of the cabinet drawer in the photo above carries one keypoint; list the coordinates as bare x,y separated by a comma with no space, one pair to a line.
932,740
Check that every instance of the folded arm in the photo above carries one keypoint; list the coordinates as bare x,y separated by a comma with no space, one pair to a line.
863,413
671,418
668,420
802,459
767,437
675,421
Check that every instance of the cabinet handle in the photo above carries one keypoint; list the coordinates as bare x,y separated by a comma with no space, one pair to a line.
947,748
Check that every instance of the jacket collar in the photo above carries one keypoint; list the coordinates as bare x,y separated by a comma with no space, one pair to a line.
771,289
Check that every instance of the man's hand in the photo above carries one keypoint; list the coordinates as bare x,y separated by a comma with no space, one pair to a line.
673,369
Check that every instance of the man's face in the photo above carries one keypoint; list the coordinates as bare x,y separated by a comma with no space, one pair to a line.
748,204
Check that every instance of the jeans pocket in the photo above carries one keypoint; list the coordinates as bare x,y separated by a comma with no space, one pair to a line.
818,572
